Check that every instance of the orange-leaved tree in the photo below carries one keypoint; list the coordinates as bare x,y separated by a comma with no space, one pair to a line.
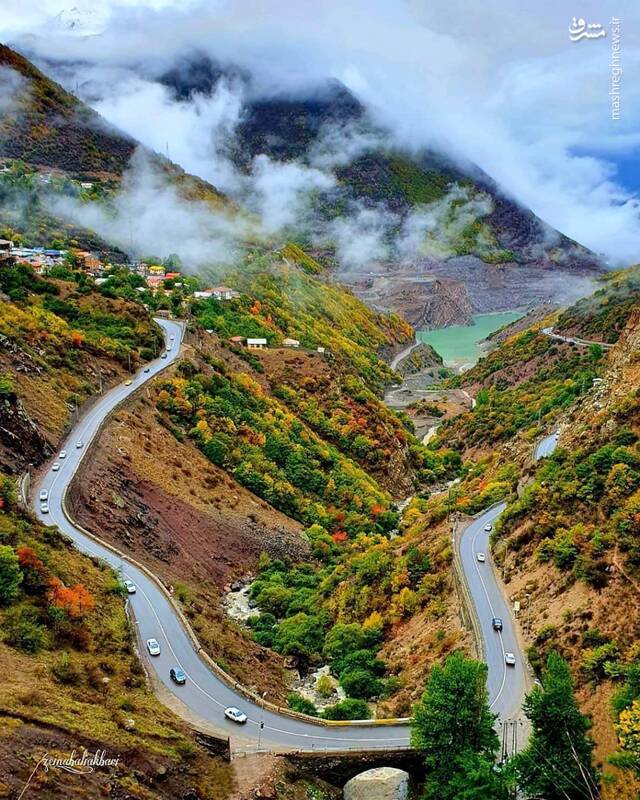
75,600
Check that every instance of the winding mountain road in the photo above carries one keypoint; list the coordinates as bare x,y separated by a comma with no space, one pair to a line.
546,446
207,693
506,684
575,340
403,354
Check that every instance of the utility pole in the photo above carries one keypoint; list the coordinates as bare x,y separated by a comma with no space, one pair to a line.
504,754
264,694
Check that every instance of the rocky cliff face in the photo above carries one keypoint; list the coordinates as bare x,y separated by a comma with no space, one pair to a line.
425,302
420,358
21,443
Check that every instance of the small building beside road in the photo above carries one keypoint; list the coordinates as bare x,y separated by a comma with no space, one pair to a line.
256,344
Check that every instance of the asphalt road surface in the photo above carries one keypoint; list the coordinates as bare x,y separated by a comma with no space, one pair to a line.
205,694
546,446
507,685
575,340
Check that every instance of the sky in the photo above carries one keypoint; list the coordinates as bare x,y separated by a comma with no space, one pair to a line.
493,81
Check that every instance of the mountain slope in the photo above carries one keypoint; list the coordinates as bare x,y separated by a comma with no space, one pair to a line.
567,545
492,247
43,124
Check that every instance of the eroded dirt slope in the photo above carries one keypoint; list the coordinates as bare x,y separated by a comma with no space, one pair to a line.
164,503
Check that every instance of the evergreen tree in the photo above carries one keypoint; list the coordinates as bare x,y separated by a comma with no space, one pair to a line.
10,574
453,729
557,764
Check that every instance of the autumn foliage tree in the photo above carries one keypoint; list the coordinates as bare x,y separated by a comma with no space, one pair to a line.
76,600
33,569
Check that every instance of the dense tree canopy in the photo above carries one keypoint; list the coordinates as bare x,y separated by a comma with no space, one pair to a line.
453,730
557,764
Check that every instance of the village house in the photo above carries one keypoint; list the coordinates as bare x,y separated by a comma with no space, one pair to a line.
290,342
256,344
154,281
224,293
87,261
236,339
39,259
218,293
6,252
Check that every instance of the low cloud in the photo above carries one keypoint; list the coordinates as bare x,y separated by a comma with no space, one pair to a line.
148,216
280,191
195,134
13,91
339,144
496,83
362,236
368,234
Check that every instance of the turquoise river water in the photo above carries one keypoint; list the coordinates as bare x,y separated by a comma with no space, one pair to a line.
459,344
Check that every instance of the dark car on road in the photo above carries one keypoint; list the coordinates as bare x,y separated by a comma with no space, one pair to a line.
177,675
497,624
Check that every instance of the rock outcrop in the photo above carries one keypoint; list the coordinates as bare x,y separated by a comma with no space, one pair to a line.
21,442
419,359
381,783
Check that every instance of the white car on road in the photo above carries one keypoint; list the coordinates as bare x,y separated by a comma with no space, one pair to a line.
44,495
63,454
509,659
481,557
56,466
235,715
44,508
488,527
130,586
153,647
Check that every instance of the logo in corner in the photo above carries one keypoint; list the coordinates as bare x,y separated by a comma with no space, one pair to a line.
579,29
